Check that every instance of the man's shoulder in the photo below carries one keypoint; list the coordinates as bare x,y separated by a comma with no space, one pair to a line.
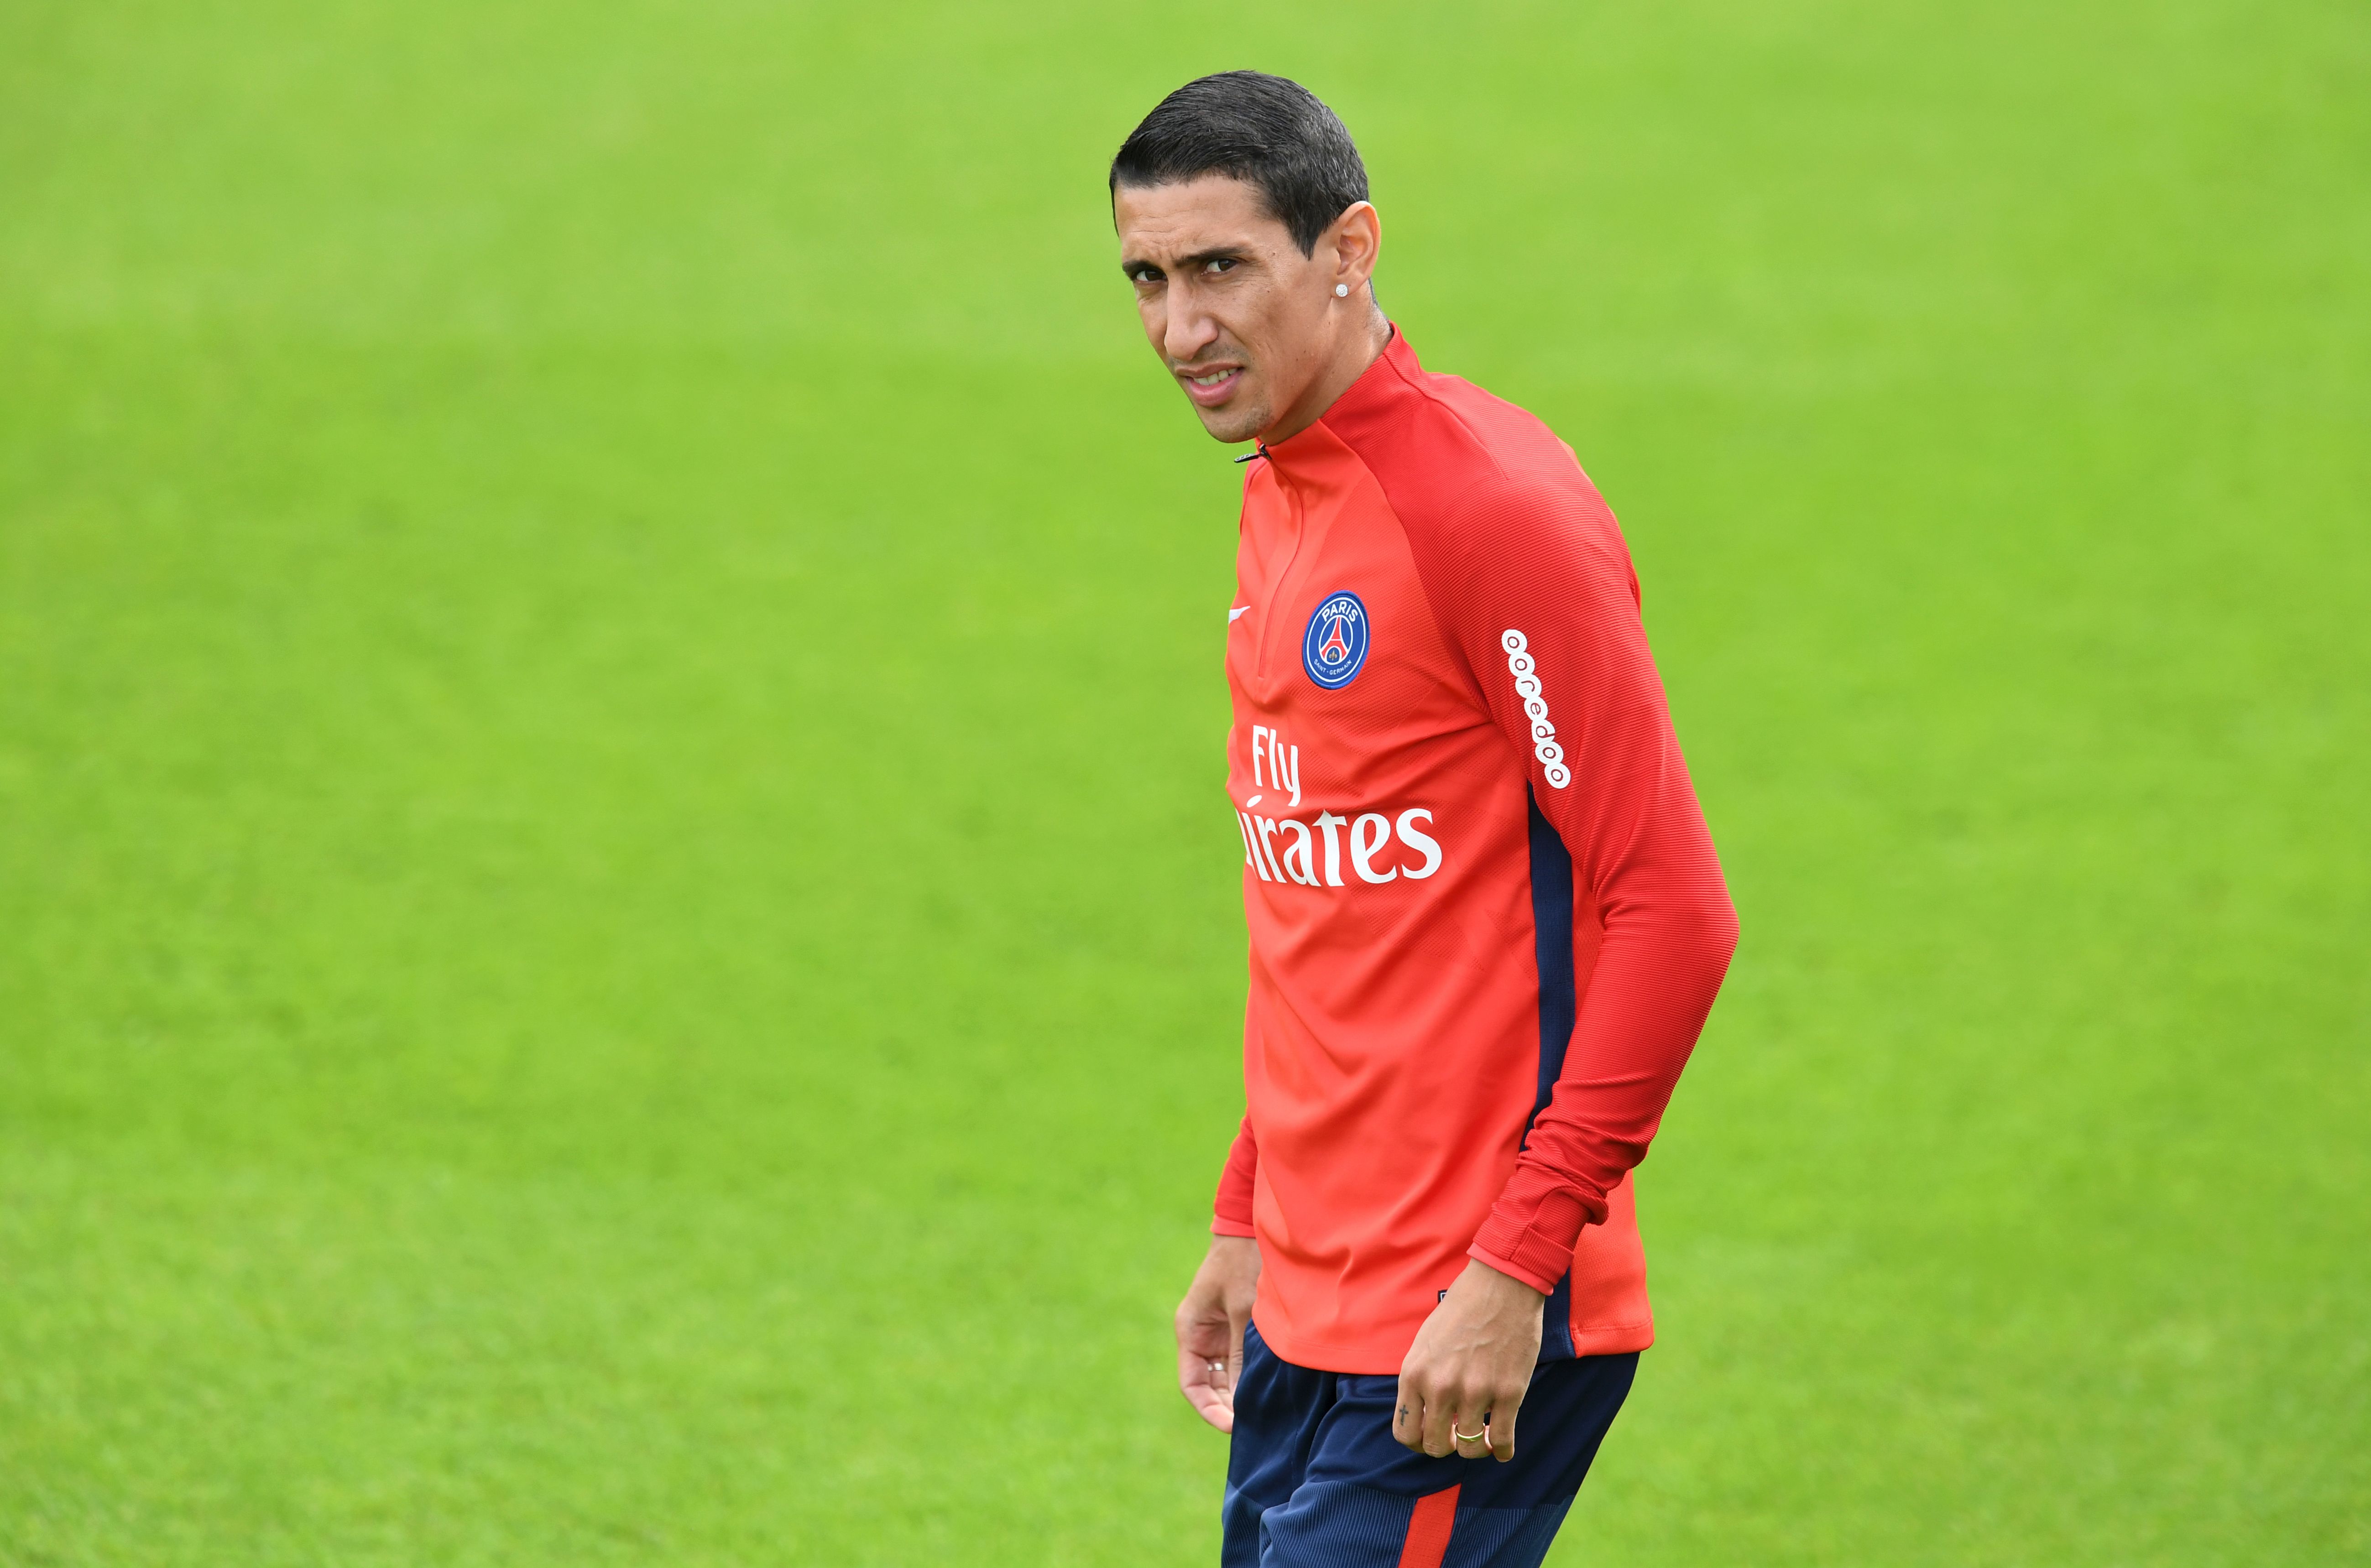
1504,428
1442,447
1466,471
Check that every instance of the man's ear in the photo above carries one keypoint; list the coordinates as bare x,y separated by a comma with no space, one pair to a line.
1358,237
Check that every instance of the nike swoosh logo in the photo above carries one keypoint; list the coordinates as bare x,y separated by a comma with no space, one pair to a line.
1238,613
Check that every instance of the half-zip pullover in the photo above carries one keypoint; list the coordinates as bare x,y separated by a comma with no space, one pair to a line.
1486,921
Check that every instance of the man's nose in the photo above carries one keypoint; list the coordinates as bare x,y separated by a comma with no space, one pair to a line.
1189,328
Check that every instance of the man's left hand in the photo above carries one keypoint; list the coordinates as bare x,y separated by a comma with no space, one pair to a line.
1471,1364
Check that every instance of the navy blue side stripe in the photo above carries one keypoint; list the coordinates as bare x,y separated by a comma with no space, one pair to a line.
1552,923
1552,929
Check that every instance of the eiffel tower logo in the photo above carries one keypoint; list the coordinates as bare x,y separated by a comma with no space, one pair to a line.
1335,648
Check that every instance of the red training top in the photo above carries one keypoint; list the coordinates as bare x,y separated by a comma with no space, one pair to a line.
1486,921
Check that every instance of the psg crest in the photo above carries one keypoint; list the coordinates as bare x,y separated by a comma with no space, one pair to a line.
1334,646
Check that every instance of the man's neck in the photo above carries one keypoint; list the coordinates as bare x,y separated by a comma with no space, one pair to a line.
1358,350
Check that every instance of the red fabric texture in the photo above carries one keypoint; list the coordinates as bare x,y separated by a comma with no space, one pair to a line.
1392,1039
1232,1212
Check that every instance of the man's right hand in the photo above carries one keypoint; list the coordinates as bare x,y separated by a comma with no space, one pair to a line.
1210,1323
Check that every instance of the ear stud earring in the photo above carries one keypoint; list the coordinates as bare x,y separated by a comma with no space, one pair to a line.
1341,290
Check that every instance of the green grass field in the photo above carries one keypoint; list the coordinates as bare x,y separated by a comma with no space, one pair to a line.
618,941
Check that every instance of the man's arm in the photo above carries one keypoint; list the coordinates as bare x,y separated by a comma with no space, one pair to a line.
1551,632
1533,583
1218,1305
1231,1211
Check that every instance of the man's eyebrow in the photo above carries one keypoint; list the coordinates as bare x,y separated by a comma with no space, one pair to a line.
1136,264
1217,253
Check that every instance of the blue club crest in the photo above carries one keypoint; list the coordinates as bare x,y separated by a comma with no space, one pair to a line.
1334,649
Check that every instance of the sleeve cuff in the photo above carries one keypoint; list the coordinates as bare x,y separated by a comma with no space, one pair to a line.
1545,1284
1530,1235
1224,1225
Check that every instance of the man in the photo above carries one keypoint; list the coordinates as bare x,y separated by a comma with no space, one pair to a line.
1486,921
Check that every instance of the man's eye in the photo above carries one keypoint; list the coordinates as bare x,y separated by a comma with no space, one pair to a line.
1146,275
1220,264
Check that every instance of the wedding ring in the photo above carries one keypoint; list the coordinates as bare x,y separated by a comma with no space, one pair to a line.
1468,1436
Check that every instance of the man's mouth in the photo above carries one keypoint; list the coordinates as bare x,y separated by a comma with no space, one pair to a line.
1211,387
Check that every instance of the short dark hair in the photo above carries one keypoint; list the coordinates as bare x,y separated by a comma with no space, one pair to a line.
1271,134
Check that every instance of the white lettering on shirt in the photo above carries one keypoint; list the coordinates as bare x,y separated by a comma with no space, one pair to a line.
1327,822
1419,843
1300,858
1267,846
1370,833
1363,848
1282,764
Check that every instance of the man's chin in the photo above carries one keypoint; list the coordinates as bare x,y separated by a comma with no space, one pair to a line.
1232,422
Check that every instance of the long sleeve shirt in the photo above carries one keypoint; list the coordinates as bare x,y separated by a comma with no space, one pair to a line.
1485,919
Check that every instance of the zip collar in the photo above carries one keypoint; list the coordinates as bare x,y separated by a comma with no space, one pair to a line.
1397,362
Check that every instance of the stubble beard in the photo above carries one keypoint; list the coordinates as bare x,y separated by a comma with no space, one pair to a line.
1237,421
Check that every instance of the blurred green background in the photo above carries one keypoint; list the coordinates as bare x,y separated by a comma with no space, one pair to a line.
619,941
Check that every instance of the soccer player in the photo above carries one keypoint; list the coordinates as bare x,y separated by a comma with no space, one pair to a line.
1486,922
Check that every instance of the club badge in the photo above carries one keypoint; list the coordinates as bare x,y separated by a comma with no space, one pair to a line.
1334,649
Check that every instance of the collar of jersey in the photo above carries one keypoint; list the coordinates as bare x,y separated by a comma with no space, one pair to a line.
1397,362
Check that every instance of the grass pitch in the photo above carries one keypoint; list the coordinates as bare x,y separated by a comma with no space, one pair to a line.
616,939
